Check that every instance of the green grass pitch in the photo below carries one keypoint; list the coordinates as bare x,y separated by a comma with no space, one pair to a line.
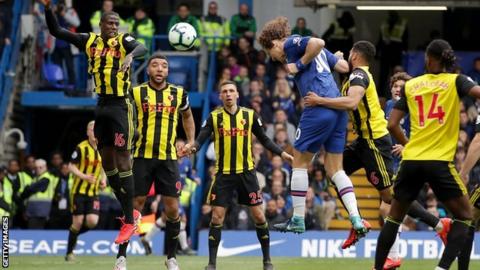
198,263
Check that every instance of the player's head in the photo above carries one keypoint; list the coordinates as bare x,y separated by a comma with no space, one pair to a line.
140,13
30,162
397,82
361,54
107,5
109,23
90,130
40,166
157,68
228,93
439,56
243,9
212,8
56,159
272,37
301,23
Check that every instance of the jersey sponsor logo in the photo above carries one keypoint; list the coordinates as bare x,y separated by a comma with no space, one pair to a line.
232,251
159,107
94,52
234,132
119,139
89,162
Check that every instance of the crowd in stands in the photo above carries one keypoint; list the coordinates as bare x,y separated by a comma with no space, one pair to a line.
263,85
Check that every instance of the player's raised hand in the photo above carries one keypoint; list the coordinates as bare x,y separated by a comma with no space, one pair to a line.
126,63
287,157
339,54
311,99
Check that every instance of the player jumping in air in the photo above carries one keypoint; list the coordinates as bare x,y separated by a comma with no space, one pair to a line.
432,100
312,65
109,57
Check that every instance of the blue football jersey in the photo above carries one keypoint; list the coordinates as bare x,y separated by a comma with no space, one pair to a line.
317,75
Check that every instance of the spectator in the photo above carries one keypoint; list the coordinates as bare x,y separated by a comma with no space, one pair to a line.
278,193
261,72
39,196
280,117
60,216
277,164
242,81
6,192
213,25
107,6
392,43
260,158
247,55
283,98
5,23
475,72
183,15
339,35
222,58
301,28
19,180
274,175
243,24
272,214
30,165
312,211
142,27
261,108
466,125
281,139
327,203
233,66
56,161
67,18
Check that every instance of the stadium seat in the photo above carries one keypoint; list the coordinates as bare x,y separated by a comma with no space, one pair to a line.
54,75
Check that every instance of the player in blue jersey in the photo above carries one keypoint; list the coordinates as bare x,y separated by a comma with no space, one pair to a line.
312,65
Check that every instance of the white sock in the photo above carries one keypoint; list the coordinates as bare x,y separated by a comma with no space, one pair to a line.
182,237
439,268
298,190
160,223
395,249
150,234
345,190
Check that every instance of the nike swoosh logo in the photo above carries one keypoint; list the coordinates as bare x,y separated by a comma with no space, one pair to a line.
224,251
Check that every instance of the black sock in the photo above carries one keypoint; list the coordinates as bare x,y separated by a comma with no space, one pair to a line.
455,241
122,250
114,182
172,230
385,241
72,240
263,236
84,229
214,237
418,211
127,189
464,256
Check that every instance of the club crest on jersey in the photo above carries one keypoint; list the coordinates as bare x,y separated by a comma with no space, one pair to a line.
170,97
243,122
112,42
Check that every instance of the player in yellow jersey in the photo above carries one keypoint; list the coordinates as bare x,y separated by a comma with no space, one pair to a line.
470,160
233,128
432,100
159,106
372,148
110,54
86,166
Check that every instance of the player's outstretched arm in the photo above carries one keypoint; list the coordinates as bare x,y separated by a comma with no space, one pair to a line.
87,177
79,40
258,131
472,157
349,102
342,65
205,133
188,125
313,48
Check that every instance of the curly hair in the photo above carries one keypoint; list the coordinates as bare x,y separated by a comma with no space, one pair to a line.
399,76
277,28
442,51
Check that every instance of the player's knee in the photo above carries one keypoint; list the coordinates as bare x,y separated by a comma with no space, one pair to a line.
217,217
386,196
92,222
259,217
